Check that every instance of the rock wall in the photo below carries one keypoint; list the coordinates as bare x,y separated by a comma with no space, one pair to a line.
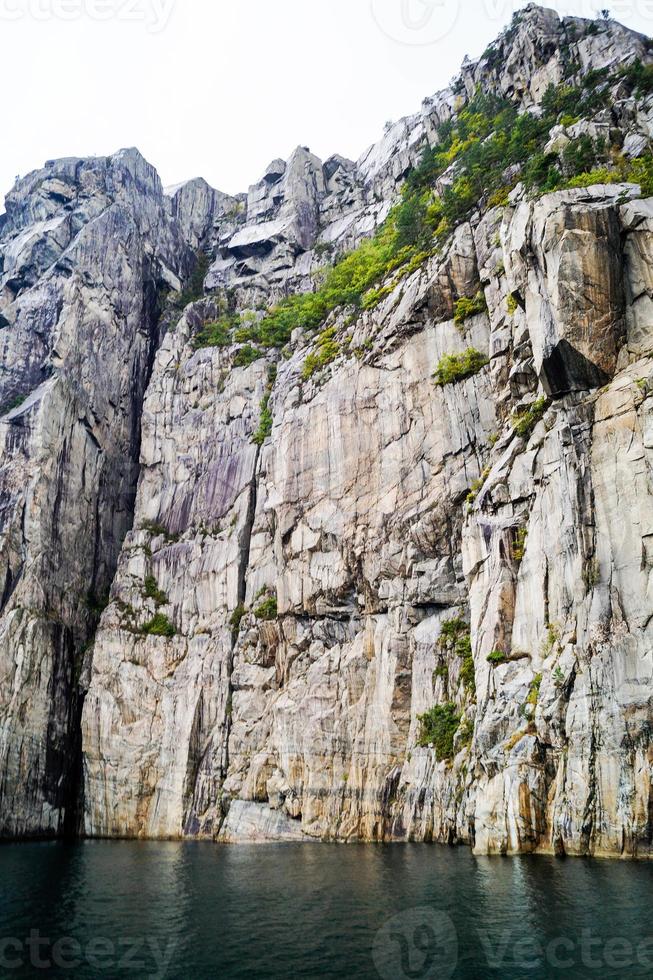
86,246
354,515
287,599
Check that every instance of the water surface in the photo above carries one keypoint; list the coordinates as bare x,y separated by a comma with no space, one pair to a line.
95,909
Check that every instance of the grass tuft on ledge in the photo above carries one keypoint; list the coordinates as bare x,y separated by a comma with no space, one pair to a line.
456,367
524,422
438,727
159,625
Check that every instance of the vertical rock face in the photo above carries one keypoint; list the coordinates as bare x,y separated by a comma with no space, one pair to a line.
321,516
353,515
567,263
85,246
568,769
168,700
346,602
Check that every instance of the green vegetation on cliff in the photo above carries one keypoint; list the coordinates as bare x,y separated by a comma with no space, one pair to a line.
159,625
265,422
457,367
151,590
438,727
218,333
524,422
326,350
267,610
476,160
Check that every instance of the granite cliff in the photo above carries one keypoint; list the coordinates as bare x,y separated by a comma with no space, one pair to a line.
326,510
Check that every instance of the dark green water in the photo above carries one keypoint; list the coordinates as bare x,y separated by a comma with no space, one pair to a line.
198,910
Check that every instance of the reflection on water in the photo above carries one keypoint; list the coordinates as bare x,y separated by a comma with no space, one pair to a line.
200,910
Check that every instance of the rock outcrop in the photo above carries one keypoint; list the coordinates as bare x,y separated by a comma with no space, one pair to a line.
323,553
87,246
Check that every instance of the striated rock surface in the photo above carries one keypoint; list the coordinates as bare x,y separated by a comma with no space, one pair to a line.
86,246
326,548
353,514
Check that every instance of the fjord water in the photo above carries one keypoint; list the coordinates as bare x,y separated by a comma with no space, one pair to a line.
114,909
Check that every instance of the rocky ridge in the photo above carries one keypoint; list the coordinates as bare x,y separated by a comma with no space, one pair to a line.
345,602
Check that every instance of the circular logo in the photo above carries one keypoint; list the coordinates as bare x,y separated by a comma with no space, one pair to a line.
416,22
420,944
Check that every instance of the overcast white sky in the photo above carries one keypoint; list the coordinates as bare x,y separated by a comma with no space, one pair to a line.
218,88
